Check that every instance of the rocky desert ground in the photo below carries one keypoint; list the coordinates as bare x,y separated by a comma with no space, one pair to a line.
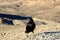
42,11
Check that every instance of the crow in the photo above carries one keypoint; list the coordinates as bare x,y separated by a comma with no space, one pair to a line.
30,26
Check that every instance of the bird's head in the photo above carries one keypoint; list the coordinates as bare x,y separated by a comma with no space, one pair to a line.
30,19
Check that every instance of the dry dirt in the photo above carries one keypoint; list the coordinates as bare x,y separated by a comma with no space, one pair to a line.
42,9
47,11
17,32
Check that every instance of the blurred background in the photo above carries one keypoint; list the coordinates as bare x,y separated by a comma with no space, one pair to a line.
41,9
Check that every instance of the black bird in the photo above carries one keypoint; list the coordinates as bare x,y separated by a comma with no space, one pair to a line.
30,26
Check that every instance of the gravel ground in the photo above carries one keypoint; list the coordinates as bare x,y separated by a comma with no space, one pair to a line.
45,30
45,12
44,36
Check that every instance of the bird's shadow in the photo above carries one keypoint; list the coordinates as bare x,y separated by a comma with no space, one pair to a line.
11,18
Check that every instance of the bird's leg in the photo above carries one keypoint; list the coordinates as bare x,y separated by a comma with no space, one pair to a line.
27,35
34,35
33,32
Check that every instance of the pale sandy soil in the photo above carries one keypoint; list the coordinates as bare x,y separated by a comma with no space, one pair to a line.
17,32
42,9
47,11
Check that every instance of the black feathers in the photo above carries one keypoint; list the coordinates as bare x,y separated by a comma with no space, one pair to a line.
30,26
